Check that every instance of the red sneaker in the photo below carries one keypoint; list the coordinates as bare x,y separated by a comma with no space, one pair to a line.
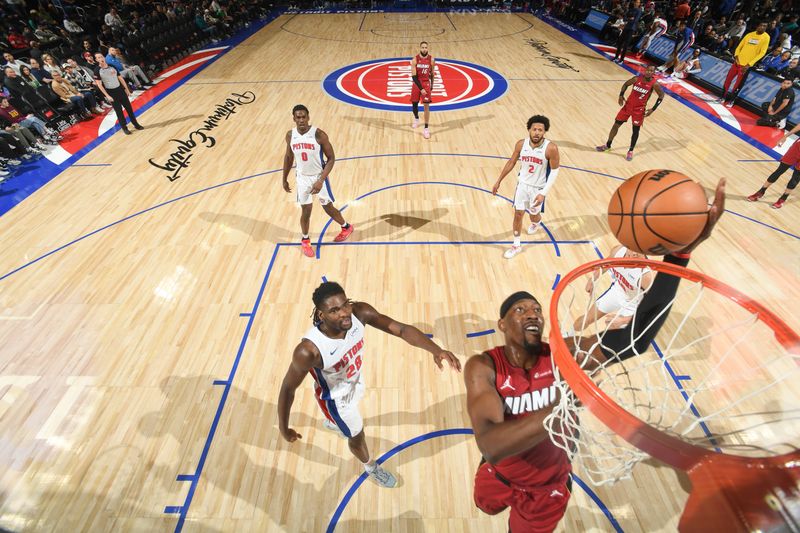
344,234
755,196
308,251
778,204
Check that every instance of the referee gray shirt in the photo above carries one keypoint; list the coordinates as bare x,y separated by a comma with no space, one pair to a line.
108,76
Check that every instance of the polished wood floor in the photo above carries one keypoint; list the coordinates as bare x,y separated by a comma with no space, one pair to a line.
111,346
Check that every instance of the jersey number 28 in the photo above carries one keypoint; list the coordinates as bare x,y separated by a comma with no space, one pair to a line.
355,367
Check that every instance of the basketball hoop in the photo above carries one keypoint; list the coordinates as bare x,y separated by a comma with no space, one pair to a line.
717,396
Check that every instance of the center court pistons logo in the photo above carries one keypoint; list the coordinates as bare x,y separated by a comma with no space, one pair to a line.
385,84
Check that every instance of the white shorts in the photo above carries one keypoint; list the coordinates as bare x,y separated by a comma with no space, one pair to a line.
303,186
615,301
525,196
344,411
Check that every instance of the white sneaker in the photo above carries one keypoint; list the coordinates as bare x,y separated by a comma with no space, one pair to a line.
532,228
426,133
383,477
415,123
511,252
782,124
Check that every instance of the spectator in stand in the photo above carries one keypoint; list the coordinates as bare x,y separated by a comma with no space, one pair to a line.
751,49
39,73
50,65
13,63
792,71
35,52
735,33
83,80
682,10
776,65
17,40
775,111
87,46
132,73
116,91
684,42
107,37
773,31
85,102
790,26
696,22
721,27
112,19
72,27
16,86
767,60
30,79
707,38
202,25
45,34
10,113
22,136
785,41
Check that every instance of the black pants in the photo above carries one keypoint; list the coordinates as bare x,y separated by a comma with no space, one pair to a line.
10,148
623,43
772,120
120,100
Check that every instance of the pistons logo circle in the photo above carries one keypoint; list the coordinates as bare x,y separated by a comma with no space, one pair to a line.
385,84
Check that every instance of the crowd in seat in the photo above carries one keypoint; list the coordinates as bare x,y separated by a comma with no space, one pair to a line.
48,74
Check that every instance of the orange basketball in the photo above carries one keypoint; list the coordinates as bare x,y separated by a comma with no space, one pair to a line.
657,212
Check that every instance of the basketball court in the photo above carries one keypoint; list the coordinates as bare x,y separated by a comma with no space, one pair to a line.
151,294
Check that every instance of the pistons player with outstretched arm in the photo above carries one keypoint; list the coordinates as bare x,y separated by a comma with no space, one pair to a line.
657,29
511,389
538,170
635,107
332,351
310,148
621,298
422,74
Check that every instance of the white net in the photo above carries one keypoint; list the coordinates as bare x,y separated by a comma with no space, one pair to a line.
714,377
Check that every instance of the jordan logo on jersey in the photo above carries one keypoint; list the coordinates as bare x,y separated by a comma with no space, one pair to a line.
507,384
530,401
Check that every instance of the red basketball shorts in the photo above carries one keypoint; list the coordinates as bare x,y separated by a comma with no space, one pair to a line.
416,94
636,114
792,156
533,510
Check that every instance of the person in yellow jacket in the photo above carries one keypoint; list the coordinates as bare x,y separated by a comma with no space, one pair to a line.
751,49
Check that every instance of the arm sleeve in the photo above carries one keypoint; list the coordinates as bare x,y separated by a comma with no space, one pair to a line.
647,321
416,81
551,179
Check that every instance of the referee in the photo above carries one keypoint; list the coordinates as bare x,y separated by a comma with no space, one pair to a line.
116,91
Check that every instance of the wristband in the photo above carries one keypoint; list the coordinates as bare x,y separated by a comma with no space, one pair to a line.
681,256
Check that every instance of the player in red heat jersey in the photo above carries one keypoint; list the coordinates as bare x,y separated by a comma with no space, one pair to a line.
422,74
635,107
510,391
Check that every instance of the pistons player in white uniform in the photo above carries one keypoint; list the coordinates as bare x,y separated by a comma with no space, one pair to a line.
657,29
310,148
539,162
620,299
333,353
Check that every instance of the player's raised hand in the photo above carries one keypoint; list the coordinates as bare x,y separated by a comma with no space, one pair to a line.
286,186
714,214
445,355
291,435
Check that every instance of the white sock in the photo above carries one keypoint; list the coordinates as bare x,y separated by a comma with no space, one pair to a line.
370,466
517,241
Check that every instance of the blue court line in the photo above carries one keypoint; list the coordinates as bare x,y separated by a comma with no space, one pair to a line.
429,335
755,160
480,333
555,283
324,279
184,509
91,165
456,243
167,202
677,379
563,79
184,477
244,314
442,433
452,183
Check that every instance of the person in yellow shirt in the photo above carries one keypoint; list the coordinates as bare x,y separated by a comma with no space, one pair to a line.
751,49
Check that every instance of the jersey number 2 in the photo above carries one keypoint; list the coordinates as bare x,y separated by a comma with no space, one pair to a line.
352,369
531,168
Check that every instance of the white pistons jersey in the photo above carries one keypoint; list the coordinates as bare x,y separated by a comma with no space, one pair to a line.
533,164
307,152
628,279
341,362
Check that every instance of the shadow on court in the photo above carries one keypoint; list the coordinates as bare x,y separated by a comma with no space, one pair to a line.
578,227
259,230
172,121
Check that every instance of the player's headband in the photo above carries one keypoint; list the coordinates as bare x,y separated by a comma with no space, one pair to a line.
514,298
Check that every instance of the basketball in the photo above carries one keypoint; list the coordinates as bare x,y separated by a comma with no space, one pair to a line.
658,212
